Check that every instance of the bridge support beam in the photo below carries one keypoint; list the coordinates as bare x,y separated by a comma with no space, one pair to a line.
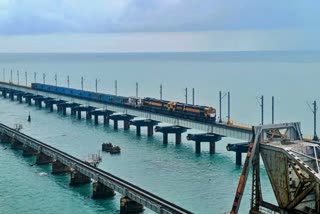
178,130
207,137
129,206
78,178
101,191
43,159
126,124
150,130
198,147
106,120
138,130
79,115
59,168
64,110
73,111
147,123
115,124
96,119
88,115
28,151
11,96
121,117
4,93
19,98
238,148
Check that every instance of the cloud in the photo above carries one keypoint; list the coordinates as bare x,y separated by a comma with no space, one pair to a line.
105,16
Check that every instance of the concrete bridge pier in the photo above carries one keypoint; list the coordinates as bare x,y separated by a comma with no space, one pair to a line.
207,137
121,117
115,124
238,148
147,123
101,191
79,115
4,93
88,115
64,110
96,119
178,130
29,101
73,111
11,96
28,151
59,168
78,178
106,120
19,98
43,159
129,206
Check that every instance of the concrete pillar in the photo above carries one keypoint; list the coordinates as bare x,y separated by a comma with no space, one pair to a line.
59,168
198,147
115,124
51,107
64,110
96,119
73,112
20,98
150,130
106,120
29,101
88,115
101,191
138,130
4,94
79,114
43,159
78,178
212,146
11,96
165,138
16,145
238,158
129,206
40,103
178,138
28,151
126,124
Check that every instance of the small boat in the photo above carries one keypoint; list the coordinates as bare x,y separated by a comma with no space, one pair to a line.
115,150
107,147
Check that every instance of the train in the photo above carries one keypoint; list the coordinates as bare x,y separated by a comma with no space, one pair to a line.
192,112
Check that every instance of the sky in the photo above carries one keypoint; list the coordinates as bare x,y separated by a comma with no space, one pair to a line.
179,25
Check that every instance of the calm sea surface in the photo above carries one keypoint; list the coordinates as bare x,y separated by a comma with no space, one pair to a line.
201,183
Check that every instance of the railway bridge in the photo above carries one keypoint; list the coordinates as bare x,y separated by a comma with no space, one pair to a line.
134,198
144,117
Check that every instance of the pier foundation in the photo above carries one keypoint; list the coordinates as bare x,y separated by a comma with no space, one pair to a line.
101,191
59,168
78,178
43,159
165,130
129,206
207,137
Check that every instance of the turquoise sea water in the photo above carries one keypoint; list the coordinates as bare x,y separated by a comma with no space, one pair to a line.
201,183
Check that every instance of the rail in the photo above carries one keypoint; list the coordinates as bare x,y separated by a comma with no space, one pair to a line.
150,200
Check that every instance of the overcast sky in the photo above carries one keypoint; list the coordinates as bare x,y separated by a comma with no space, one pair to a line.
47,22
